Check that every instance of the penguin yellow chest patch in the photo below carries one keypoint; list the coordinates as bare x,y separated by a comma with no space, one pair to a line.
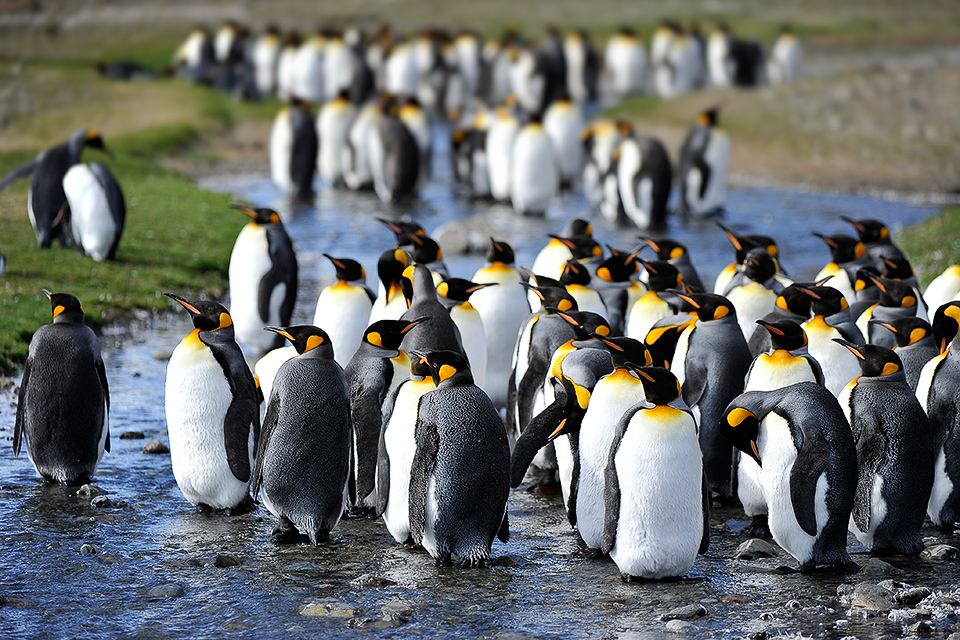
556,367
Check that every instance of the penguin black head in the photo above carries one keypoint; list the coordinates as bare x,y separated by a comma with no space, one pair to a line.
907,330
388,334
843,248
741,427
446,365
864,281
659,385
744,243
824,300
708,118
574,273
425,249
946,324
794,300
66,307
870,231
390,267
576,228
759,265
402,228
552,297
207,315
585,323
875,361
306,337
460,289
666,249
661,341
785,334
662,275
87,138
894,293
261,215
624,351
347,270
417,280
582,247
619,267
420,366
896,267
708,306
500,252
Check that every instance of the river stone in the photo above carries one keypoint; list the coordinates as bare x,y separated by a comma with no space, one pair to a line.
132,435
155,446
877,567
226,561
912,596
101,502
91,491
371,581
756,548
169,590
872,597
681,627
329,609
685,612
396,608
88,549
922,628
383,622
940,552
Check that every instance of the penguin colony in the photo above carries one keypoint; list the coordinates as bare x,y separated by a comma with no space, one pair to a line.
516,108
642,424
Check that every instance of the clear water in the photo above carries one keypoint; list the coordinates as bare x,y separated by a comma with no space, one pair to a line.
541,583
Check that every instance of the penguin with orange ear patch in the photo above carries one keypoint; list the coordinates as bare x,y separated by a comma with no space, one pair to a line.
212,410
915,344
896,450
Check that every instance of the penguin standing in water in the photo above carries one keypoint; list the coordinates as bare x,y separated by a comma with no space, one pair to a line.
503,310
212,410
807,458
46,196
376,369
896,451
711,361
95,211
303,455
394,156
293,149
455,294
64,401
343,309
831,319
644,179
656,510
398,445
704,162
460,476
915,345
535,178
263,278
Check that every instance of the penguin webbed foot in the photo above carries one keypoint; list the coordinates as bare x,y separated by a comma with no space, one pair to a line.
841,566
758,528
286,533
245,506
204,509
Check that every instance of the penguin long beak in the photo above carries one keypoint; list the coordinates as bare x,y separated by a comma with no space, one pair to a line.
186,305
47,293
280,331
885,325
244,209
484,285
420,356
414,323
770,327
856,225
650,243
830,243
336,263
850,346
730,236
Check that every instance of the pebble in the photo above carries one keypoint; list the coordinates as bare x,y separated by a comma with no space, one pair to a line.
329,610
155,446
226,561
922,628
396,608
793,604
872,597
940,552
383,622
912,596
90,490
169,590
371,581
88,549
756,548
682,627
877,567
101,502
685,612
132,435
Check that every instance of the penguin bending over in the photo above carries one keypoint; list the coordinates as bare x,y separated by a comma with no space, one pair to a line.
460,476
212,411
293,149
808,475
303,456
343,309
64,402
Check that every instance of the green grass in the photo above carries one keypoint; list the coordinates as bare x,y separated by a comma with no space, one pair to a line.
941,231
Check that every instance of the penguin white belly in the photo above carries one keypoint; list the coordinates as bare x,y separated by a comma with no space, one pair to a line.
839,365
267,367
249,262
659,469
878,511
401,445
286,73
343,311
839,280
717,156
611,398
502,310
265,58
561,447
550,261
781,369
500,139
308,83
944,288
942,488
535,180
724,278
431,512
677,365
587,299
281,150
332,126
94,227
197,398
925,381
473,337
563,123
542,398
752,302
644,314
357,172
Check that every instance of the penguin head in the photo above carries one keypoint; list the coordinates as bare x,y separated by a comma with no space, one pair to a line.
946,324
66,307
261,216
390,268
894,293
91,138
662,275
896,267
759,265
741,427
402,229
306,337
825,300
574,273
843,248
619,267
708,118
582,247
425,249
875,361
785,334
500,252
347,270
794,300
708,306
420,366
584,323
625,351
907,331
661,340
446,366
417,282
870,231
387,335
744,243
459,290
207,315
552,297
660,386
666,249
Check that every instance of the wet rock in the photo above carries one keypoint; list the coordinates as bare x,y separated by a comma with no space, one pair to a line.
396,608
371,581
872,597
929,541
759,635
329,609
912,596
954,636
766,616
877,567
734,598
922,628
685,613
939,553
161,354
88,549
681,627
109,558
90,491
132,435
226,561
756,548
466,236
169,590
389,621
155,446
792,604
101,502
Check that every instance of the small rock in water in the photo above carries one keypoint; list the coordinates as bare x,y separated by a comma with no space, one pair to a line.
226,561
756,548
101,502
169,590
370,581
685,612
383,622
922,628
90,490
940,552
877,567
396,608
88,549
132,435
155,446
872,597
682,627
329,610
912,596
161,354
793,604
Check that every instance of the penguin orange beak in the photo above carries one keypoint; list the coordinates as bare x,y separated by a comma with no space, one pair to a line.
47,293
245,209
414,323
830,242
281,332
850,346
650,243
730,236
770,327
483,285
186,305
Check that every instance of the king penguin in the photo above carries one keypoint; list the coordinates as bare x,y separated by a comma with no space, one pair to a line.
916,345
263,278
442,334
644,178
897,300
742,244
535,176
754,294
576,278
656,509
303,455
791,304
944,288
704,163
46,195
64,401
846,258
95,210
460,476
212,410
333,123
390,303
501,135
455,294
650,308
801,440
394,156
343,309
896,451
619,286
676,254
293,149
831,319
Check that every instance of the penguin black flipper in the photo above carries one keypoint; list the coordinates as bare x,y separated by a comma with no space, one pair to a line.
368,420
705,493
424,461
303,156
283,263
266,430
806,471
503,534
242,413
102,372
872,442
19,173
694,383
574,479
701,164
611,485
115,201
537,432
21,408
